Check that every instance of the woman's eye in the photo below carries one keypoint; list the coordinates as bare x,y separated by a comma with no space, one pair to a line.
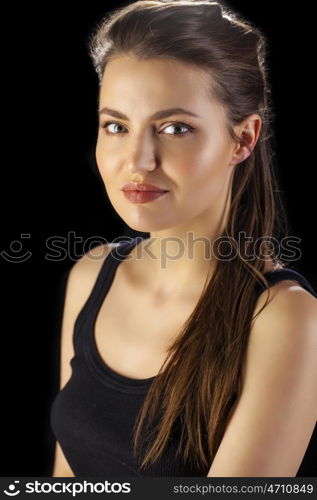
180,126
175,126
106,125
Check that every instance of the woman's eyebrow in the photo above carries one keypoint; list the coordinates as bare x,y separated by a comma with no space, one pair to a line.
164,113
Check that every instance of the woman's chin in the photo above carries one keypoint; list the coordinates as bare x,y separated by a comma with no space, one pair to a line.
146,227
145,221
148,224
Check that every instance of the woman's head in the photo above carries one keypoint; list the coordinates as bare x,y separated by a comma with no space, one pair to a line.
159,55
191,156
153,55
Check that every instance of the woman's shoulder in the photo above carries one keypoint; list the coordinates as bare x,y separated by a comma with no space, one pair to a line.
291,311
92,260
84,272
286,325
278,378
285,294
287,286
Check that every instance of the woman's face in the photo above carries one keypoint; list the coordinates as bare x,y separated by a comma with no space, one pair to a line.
187,155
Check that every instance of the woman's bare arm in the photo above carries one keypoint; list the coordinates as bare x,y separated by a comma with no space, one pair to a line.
81,279
273,420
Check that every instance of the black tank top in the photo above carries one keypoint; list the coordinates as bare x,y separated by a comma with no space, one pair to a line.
92,416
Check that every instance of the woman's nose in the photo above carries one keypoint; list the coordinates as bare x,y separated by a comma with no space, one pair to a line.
135,165
142,155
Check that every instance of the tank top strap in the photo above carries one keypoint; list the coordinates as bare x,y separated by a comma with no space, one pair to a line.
118,252
285,273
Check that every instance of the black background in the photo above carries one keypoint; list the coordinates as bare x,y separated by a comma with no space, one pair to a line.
50,186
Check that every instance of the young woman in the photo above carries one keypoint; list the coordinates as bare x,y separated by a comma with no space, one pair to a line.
192,351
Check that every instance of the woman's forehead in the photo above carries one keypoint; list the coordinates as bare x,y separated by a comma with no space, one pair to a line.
131,70
155,83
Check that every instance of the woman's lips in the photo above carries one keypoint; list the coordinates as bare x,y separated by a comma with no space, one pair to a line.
140,192
143,196
142,186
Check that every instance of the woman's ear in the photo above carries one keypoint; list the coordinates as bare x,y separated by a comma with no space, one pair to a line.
249,131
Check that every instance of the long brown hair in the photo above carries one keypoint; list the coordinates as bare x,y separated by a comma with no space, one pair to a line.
201,379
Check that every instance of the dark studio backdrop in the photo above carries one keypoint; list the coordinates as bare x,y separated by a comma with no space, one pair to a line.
50,188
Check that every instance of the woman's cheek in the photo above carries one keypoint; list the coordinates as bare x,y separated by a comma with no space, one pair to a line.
207,176
104,163
99,156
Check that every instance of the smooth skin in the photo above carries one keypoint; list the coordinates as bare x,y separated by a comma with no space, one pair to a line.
80,281
280,374
273,420
195,166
